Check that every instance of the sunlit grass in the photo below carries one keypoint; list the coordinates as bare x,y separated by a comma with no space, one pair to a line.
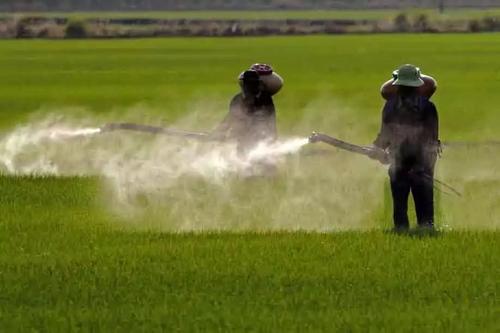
70,260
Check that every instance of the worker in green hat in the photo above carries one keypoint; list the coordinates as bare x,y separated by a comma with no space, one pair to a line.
410,135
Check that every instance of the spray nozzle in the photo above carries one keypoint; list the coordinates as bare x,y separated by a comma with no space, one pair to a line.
314,137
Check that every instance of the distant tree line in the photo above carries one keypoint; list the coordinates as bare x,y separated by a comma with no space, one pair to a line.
129,5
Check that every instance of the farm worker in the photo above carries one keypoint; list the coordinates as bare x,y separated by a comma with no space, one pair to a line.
409,134
252,115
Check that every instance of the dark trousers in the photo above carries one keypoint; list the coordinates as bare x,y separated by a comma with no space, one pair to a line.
421,185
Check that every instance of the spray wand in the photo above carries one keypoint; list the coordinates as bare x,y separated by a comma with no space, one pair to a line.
156,130
374,153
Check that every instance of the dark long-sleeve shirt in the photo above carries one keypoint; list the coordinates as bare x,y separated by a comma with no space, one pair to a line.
410,131
249,121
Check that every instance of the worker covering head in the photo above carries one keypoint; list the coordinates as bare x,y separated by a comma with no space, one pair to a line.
408,76
409,133
390,88
271,81
252,115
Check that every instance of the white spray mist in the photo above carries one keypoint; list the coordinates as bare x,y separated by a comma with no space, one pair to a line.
131,162
188,185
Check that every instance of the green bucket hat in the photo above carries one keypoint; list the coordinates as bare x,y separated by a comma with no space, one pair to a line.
409,76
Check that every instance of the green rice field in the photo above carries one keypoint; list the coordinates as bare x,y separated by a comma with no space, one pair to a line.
309,249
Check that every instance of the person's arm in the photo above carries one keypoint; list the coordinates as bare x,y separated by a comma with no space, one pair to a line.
273,131
433,122
222,130
383,138
432,127
432,145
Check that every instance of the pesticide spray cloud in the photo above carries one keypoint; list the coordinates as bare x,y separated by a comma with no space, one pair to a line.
177,184
43,148
20,150
162,170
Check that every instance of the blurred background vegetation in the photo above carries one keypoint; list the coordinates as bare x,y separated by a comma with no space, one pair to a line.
86,5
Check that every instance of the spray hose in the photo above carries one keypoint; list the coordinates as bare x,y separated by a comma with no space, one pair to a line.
378,154
156,130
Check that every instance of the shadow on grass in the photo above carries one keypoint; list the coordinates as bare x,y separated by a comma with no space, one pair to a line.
416,233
